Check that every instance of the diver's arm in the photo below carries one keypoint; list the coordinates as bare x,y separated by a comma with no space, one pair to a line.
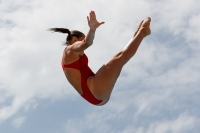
90,37
80,46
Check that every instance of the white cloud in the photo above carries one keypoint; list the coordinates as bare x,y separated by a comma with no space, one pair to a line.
182,124
8,111
178,125
17,123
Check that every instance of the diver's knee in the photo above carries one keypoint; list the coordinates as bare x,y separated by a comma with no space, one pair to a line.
119,54
123,56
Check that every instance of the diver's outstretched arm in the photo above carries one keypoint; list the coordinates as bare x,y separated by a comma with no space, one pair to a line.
93,24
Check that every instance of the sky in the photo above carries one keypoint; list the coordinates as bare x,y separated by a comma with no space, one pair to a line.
158,90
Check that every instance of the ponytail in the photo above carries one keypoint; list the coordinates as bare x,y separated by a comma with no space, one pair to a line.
62,30
70,33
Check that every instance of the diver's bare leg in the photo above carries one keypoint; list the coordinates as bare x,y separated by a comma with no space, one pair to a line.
102,83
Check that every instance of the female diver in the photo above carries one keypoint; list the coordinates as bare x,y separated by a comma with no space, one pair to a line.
96,88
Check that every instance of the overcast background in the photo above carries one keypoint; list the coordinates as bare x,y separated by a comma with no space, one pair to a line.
158,90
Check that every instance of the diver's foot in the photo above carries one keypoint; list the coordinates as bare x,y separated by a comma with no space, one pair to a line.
144,27
138,28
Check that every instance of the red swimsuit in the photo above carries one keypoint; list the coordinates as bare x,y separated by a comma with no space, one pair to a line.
82,66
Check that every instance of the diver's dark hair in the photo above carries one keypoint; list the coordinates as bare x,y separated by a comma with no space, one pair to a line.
72,33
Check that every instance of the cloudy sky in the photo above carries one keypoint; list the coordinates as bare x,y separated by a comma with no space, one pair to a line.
158,90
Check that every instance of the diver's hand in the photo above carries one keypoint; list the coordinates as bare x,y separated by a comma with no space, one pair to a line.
92,21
